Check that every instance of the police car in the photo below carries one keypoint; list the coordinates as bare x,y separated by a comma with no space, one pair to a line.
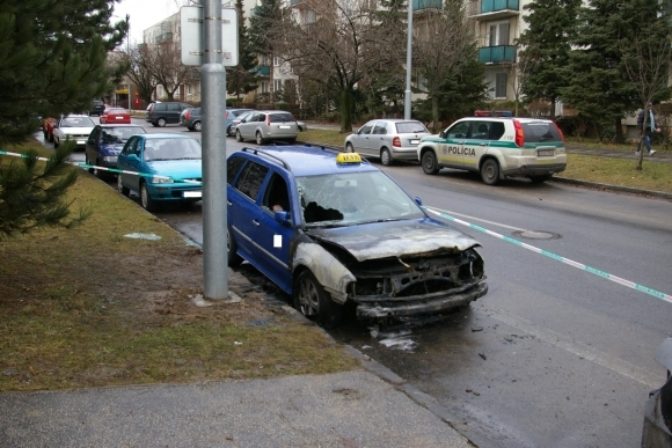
329,229
497,147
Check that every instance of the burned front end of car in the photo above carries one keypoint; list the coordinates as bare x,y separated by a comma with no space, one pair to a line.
419,284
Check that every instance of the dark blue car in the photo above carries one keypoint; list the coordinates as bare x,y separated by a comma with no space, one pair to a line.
105,143
161,168
328,228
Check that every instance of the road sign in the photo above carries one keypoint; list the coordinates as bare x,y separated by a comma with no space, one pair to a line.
191,21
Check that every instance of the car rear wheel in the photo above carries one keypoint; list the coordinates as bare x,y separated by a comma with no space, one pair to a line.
490,171
145,199
239,137
349,148
161,122
429,163
120,186
259,139
197,126
385,157
312,301
234,259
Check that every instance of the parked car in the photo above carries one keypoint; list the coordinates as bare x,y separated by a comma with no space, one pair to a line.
191,118
97,107
388,139
497,147
657,432
73,128
160,114
105,143
161,168
115,115
265,125
231,130
329,229
230,115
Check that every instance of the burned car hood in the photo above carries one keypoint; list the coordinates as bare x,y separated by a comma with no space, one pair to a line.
394,238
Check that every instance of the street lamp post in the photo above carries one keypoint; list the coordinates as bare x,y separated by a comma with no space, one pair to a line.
409,54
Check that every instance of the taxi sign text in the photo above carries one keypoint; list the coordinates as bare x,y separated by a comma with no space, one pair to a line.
348,157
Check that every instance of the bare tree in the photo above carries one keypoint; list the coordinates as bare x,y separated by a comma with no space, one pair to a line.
140,71
334,43
167,68
647,65
442,41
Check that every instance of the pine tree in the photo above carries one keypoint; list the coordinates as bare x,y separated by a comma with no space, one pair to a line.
240,78
262,41
546,47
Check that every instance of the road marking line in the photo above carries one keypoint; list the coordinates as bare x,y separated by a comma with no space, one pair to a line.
552,255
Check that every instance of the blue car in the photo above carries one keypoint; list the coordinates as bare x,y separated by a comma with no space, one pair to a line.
330,229
105,143
161,168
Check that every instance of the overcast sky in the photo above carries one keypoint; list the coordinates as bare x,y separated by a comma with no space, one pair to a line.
144,13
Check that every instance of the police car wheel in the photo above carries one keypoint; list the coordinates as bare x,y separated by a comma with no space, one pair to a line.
233,258
385,157
429,163
490,172
312,301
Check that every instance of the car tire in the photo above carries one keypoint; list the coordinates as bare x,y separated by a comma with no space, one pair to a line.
145,199
197,127
540,179
490,171
161,122
56,142
228,131
155,124
349,148
311,300
120,186
258,138
239,138
234,259
291,140
429,163
385,157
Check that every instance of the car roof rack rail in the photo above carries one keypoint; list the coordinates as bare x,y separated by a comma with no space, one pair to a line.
268,155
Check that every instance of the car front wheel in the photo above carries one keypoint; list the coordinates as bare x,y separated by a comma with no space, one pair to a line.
312,301
239,137
490,172
429,163
145,199
120,186
161,122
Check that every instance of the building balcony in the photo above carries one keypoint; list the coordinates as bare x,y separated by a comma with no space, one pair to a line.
263,71
419,5
494,9
498,54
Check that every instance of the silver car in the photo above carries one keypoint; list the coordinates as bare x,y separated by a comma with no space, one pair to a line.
265,125
388,139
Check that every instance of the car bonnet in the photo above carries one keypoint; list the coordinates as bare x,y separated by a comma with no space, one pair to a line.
394,238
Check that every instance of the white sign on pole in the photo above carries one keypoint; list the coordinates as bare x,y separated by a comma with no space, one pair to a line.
191,21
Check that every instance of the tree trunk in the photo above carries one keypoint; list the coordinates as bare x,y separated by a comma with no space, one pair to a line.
619,138
435,114
640,146
346,103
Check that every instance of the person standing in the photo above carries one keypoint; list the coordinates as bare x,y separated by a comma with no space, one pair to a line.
646,122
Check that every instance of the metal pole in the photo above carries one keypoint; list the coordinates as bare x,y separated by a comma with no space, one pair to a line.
409,54
213,80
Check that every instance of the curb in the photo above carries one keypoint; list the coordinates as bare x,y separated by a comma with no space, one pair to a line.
609,187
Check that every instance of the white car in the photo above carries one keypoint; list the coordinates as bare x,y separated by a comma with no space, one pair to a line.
264,125
387,139
73,127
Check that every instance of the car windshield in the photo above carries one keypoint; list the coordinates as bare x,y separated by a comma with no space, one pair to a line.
172,149
77,122
121,134
410,127
344,199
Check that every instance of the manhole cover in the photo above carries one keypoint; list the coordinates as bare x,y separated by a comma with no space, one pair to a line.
536,235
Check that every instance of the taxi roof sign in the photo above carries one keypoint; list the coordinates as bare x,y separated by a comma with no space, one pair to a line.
348,157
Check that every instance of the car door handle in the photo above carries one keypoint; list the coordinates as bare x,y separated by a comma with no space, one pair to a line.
256,223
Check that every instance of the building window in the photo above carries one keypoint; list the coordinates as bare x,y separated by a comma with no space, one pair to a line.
277,85
500,85
276,61
499,34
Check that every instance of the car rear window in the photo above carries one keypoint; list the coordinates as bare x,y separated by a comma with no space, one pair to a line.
540,131
281,118
410,127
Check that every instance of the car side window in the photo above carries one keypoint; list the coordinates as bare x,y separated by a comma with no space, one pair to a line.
276,197
174,107
479,130
460,130
233,165
379,129
250,179
496,130
365,129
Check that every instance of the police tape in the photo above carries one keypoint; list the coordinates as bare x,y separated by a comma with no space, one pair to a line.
597,272
87,166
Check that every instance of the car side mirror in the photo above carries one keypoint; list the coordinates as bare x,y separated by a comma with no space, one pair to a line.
418,201
282,218
443,134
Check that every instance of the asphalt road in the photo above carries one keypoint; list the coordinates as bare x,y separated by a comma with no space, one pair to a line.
553,356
